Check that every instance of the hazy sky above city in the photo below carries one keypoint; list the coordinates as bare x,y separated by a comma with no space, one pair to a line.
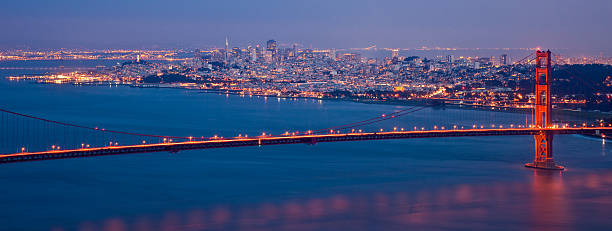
574,24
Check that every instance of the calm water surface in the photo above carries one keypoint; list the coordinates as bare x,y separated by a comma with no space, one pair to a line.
475,183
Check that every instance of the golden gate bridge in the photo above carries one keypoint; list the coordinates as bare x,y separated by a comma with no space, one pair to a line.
44,139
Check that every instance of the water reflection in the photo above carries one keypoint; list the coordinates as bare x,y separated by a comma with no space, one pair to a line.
550,200
603,147
549,203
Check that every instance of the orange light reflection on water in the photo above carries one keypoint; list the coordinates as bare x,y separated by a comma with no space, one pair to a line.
547,201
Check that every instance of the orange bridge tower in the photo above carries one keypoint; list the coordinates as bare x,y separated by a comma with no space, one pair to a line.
542,114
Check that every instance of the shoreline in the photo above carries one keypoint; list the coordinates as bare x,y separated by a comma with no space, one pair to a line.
419,102
434,103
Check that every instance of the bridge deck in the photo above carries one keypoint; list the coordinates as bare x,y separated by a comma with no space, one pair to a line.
277,140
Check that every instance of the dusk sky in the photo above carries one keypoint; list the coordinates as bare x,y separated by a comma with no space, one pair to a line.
570,24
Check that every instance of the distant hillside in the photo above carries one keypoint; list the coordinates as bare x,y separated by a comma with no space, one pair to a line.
587,80
593,82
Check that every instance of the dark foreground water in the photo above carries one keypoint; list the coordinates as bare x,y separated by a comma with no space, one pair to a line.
475,183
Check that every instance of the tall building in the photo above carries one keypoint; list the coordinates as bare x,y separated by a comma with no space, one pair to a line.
294,49
197,58
226,50
271,47
268,56
250,54
493,61
394,53
450,59
259,52
351,57
236,53
253,54
503,59
332,54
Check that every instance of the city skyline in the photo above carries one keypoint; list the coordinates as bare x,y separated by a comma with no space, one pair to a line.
341,24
